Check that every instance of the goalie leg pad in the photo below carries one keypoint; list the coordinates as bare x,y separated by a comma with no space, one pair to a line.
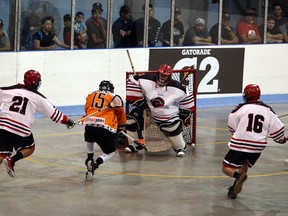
178,142
171,129
135,120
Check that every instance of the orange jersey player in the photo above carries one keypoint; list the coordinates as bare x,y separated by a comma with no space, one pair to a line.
105,116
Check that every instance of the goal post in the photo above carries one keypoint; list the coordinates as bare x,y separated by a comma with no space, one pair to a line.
188,78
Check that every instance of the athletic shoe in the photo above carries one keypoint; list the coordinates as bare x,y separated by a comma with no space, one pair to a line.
130,149
91,167
180,153
9,166
239,183
231,194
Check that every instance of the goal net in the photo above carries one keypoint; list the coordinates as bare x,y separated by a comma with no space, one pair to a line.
188,78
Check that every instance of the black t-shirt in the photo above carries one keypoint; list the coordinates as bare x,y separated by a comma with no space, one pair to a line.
45,40
178,31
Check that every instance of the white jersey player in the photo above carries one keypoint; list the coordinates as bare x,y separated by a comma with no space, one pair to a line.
168,102
250,123
19,105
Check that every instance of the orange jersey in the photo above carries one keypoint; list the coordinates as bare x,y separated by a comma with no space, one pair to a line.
108,118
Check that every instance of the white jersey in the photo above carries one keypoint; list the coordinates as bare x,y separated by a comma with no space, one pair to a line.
251,124
163,101
19,105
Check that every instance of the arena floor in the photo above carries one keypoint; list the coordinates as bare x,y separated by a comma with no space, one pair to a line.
51,181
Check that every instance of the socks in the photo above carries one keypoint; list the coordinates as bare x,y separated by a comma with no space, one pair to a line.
236,175
16,157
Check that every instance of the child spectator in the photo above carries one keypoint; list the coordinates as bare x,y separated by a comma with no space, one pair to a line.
81,30
67,31
4,39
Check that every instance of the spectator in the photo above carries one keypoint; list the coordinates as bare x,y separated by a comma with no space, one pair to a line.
123,29
80,30
273,33
4,39
45,39
284,30
278,14
178,30
247,31
228,34
67,31
198,34
96,28
153,29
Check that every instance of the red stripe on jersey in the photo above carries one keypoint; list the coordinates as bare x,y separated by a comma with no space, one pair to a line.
14,129
19,123
280,130
249,141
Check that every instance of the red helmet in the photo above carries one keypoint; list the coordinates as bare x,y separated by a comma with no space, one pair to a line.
165,69
251,92
32,79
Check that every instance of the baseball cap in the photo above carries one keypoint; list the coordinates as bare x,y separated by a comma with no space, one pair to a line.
177,10
124,9
1,23
200,21
97,6
226,16
250,12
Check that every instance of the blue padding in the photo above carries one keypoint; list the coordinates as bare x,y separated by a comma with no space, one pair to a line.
201,102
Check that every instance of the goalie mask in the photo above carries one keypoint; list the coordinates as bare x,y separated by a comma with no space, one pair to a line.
251,92
106,85
32,79
164,75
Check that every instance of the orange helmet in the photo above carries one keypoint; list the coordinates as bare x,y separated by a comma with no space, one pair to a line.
32,79
251,92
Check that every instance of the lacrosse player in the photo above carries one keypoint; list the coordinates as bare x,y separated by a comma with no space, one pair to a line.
168,103
105,117
250,123
20,103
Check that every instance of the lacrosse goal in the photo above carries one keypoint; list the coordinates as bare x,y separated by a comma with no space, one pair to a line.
188,78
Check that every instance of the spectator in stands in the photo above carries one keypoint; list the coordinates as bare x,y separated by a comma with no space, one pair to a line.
123,29
273,33
247,31
80,30
4,39
45,38
67,31
284,30
96,28
278,14
197,34
153,29
178,30
228,34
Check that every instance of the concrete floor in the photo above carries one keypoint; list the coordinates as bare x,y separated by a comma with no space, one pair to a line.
51,181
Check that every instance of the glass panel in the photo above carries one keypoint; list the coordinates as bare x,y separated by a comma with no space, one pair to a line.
7,25
277,22
32,21
95,18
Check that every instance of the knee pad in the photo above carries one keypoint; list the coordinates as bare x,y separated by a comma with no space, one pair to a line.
171,129
135,120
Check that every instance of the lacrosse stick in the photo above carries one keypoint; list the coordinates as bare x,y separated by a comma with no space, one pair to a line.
283,115
137,142
131,63
116,102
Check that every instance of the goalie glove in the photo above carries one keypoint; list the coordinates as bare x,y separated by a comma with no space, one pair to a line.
184,115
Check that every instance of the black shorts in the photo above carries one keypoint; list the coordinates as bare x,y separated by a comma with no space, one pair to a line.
10,141
104,138
236,158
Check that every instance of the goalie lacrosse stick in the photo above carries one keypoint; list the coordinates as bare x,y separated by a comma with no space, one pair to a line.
116,102
137,142
131,63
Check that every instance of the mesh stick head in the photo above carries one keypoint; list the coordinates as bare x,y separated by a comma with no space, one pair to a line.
116,102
